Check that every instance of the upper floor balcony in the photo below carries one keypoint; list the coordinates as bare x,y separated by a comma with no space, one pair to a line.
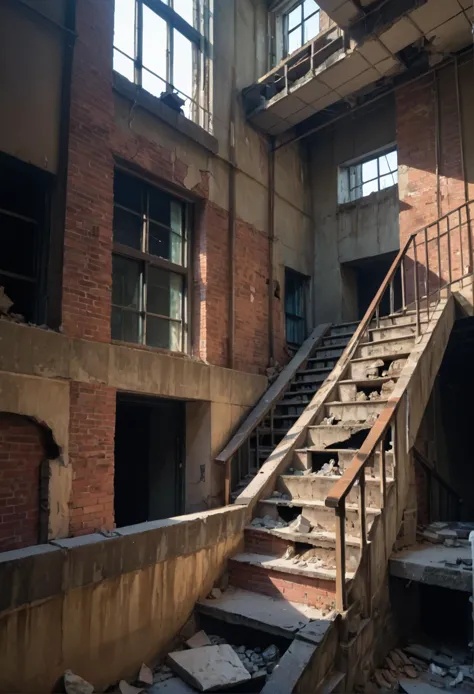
368,45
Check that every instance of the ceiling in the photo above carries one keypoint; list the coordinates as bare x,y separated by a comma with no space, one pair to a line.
441,27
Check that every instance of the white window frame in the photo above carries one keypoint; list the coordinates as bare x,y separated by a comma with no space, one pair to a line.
279,11
300,26
352,181
200,35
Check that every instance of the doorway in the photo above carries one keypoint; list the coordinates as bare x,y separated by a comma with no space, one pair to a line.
149,459
362,279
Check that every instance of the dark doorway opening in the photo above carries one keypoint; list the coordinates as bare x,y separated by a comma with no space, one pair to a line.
367,274
149,459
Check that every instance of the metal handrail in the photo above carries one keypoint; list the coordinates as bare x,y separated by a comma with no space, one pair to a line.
355,473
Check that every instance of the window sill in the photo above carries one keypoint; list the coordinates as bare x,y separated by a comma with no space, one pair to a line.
156,107
154,350
378,196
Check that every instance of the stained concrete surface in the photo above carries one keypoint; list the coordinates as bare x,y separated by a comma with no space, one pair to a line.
434,565
209,668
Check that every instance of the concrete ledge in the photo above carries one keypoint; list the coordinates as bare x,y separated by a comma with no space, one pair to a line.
43,571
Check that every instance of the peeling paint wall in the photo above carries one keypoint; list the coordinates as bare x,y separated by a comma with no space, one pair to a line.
353,231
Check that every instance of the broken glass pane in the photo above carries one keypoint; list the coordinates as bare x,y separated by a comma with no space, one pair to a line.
388,163
124,26
370,187
155,43
185,9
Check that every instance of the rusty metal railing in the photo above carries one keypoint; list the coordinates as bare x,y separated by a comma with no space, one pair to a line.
431,262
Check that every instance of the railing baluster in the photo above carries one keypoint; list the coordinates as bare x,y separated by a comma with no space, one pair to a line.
403,278
438,243
460,241
228,472
450,274
377,316
341,595
247,466
427,271
392,298
272,433
417,303
383,475
362,515
257,448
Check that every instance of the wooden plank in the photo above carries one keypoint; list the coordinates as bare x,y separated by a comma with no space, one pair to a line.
273,393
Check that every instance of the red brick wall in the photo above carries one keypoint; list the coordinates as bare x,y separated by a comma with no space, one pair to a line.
91,454
88,231
21,453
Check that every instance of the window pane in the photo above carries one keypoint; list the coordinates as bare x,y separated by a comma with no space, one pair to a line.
124,26
126,325
183,64
152,84
356,193
294,17
177,217
369,170
164,293
18,245
124,66
185,9
371,187
23,295
155,42
388,163
128,191
294,40
311,27
159,206
164,333
310,7
126,282
388,181
128,228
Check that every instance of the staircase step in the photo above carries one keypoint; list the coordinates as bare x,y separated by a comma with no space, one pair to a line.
343,458
274,616
383,348
358,368
319,486
395,331
317,513
322,436
311,392
400,318
334,342
347,390
325,353
350,327
354,411
340,335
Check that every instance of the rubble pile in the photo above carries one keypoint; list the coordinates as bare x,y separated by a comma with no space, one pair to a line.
454,534
408,668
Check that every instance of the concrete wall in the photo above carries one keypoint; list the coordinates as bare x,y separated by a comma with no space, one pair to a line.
349,232
102,606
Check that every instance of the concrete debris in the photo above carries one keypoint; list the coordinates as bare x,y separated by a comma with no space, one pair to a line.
327,469
276,495
73,684
387,388
290,553
298,473
5,302
457,680
372,370
437,670
300,525
361,396
126,688
452,543
199,640
374,395
209,668
145,676
162,674
328,420
215,594
396,366
271,654
268,523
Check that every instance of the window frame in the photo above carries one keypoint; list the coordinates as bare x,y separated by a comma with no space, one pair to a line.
147,260
346,172
303,20
304,287
200,98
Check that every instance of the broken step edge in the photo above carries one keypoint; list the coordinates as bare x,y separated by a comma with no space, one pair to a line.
383,357
333,478
271,562
322,539
317,504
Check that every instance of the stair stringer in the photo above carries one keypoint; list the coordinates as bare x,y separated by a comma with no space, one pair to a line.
368,593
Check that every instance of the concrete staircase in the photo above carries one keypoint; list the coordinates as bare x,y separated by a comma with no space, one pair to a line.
284,579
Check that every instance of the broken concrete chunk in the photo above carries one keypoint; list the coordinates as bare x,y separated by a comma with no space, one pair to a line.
380,680
215,594
361,396
145,676
431,537
437,670
290,552
410,672
5,302
126,688
73,684
300,525
372,370
374,395
271,654
419,651
209,668
387,388
327,468
396,366
198,640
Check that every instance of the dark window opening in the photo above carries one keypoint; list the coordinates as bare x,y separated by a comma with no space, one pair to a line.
150,266
362,279
24,208
295,307
149,459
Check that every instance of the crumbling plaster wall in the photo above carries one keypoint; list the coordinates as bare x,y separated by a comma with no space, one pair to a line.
349,232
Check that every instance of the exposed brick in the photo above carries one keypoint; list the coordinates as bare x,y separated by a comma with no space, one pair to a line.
21,453
260,542
91,454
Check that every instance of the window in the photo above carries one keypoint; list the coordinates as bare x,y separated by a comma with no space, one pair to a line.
301,24
368,176
150,275
24,197
295,307
163,46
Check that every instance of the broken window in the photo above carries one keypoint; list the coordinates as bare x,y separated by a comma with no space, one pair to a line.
164,47
150,265
369,175
24,196
295,307
301,24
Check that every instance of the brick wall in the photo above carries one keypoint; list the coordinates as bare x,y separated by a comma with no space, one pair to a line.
91,454
88,230
21,453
